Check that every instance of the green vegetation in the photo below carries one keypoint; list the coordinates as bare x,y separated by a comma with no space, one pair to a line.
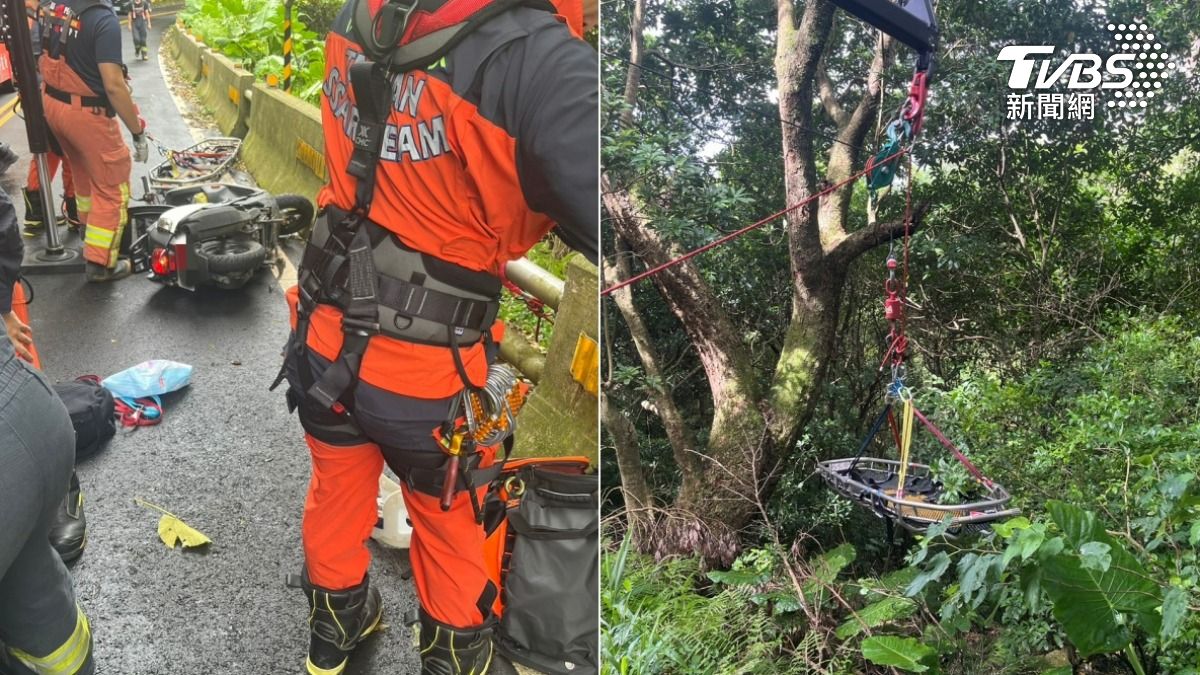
1054,298
255,39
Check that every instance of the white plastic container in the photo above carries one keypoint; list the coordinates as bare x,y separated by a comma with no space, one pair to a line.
392,529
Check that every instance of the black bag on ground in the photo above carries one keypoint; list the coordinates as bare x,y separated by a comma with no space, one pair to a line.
550,620
91,408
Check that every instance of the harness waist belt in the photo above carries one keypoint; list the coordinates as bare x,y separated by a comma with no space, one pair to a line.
417,297
83,101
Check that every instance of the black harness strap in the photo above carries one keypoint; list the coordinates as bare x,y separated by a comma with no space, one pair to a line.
360,313
866,441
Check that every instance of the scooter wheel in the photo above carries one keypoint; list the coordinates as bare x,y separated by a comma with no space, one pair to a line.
230,256
297,214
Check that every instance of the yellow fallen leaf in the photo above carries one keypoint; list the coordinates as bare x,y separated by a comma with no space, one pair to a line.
173,531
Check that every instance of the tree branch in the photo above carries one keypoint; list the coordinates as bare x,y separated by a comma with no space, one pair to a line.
846,155
859,242
689,297
634,486
637,45
829,99
679,433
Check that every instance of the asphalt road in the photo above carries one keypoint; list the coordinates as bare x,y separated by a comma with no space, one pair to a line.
227,459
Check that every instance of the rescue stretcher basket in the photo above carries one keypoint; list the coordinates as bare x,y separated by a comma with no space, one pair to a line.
871,482
204,162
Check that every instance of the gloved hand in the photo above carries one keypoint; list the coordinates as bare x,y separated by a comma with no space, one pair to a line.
141,148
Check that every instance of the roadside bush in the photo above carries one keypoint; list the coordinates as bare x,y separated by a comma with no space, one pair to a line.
255,41
319,14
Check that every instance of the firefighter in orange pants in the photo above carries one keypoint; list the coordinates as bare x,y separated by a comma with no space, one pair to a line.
477,139
85,91
35,220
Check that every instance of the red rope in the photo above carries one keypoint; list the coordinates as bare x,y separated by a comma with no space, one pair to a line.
951,447
713,244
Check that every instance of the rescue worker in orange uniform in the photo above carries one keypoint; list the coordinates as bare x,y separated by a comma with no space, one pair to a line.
35,220
85,92
479,139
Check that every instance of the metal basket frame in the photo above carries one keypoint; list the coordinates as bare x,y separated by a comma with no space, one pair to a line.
160,183
907,512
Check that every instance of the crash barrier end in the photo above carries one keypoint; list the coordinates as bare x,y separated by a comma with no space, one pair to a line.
188,52
221,89
285,147
560,417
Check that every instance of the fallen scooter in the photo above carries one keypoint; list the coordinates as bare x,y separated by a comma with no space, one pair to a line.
217,234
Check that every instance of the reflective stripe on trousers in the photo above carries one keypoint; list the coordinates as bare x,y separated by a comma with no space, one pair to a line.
68,658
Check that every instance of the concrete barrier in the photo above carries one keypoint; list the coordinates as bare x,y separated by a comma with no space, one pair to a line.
188,53
560,418
285,148
223,88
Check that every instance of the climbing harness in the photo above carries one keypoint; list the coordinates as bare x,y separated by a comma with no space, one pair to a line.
382,286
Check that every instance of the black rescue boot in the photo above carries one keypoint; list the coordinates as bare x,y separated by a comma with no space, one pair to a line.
100,274
339,620
71,211
68,533
454,651
35,220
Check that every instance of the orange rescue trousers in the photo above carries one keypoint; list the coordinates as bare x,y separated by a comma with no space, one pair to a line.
34,182
447,546
92,143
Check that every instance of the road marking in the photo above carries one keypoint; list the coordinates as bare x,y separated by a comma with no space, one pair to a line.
9,110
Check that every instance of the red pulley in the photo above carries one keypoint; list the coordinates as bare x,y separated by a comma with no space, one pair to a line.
893,307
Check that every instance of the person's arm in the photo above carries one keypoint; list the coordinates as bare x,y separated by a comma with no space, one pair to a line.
119,97
546,89
12,250
108,58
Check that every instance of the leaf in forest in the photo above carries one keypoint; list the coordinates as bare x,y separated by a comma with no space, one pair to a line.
1009,527
937,566
876,614
824,571
1091,604
172,530
904,653
1094,556
1174,609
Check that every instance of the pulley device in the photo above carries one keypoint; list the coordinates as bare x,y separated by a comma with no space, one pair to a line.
900,490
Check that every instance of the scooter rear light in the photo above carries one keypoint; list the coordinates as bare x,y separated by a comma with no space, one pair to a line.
162,262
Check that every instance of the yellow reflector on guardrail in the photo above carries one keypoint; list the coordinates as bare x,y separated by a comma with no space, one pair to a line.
311,157
585,365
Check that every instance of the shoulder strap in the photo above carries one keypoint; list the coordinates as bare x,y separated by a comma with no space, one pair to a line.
372,92
386,37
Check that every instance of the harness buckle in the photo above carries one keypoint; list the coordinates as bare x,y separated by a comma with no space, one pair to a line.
360,327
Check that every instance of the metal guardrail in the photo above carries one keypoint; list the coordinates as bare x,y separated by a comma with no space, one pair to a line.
517,349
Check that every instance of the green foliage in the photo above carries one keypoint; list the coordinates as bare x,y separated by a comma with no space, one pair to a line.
907,654
250,32
663,618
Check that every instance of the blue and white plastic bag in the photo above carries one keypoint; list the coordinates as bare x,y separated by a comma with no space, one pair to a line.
152,378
